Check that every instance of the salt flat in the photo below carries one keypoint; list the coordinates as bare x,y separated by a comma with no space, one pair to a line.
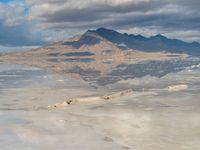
150,118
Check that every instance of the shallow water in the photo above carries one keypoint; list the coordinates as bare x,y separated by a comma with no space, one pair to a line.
81,60
152,118
152,68
18,76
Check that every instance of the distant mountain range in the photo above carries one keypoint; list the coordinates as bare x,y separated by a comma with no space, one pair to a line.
126,41
105,56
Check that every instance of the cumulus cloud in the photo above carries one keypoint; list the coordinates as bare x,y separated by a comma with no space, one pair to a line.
167,16
56,19
15,27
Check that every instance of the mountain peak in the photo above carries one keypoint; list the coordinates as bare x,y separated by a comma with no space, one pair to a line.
91,33
89,38
137,42
138,36
104,30
158,36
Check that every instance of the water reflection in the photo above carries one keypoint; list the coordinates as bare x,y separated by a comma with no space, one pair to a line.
84,60
152,68
72,54
14,76
126,71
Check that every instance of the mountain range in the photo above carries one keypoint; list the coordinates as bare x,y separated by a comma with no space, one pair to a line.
137,42
105,56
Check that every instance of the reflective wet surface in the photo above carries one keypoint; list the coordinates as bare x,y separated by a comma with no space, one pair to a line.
127,70
151,118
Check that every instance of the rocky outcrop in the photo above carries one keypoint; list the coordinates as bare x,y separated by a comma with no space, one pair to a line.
176,88
91,99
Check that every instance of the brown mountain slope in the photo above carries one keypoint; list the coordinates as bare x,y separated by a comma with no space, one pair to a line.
89,56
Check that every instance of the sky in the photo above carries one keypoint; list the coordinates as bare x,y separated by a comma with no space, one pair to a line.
37,22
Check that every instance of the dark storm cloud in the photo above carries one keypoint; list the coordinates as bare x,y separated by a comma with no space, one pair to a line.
172,15
15,28
19,35
95,11
73,16
167,20
57,19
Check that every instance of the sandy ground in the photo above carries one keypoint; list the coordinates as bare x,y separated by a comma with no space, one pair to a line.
153,118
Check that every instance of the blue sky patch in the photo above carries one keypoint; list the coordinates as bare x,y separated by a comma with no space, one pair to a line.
11,1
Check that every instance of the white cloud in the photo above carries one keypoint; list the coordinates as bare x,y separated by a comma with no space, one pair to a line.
16,28
12,15
57,19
